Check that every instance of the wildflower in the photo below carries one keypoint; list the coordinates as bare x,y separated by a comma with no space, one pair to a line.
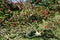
37,33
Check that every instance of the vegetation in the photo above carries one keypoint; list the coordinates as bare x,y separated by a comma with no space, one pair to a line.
30,20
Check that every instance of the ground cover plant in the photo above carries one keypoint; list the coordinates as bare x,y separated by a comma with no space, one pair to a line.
30,20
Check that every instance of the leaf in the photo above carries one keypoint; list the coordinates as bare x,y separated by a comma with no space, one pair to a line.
16,12
40,27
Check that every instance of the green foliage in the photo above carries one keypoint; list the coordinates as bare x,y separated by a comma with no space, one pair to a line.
17,23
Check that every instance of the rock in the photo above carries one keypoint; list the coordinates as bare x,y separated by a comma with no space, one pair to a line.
16,1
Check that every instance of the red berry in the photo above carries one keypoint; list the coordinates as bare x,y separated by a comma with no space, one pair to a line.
14,23
32,20
46,12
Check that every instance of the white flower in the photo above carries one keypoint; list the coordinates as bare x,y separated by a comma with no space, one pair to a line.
37,33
